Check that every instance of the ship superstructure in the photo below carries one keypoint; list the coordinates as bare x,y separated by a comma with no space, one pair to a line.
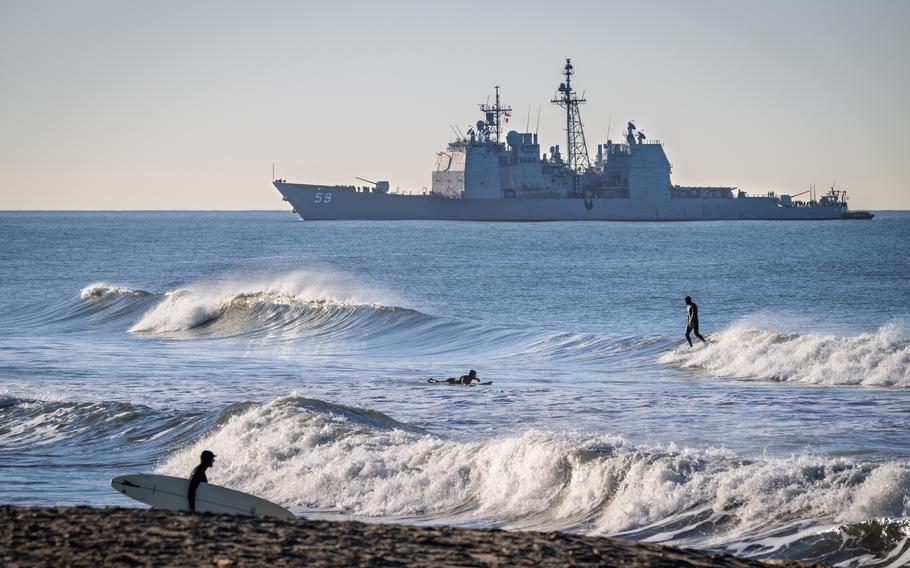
480,177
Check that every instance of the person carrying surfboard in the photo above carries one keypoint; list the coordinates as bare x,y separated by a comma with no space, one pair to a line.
206,460
692,322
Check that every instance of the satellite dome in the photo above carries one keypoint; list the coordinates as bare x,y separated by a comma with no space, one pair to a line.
513,138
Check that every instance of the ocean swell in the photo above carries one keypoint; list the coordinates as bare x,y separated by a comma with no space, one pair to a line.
96,306
338,321
880,358
43,426
326,314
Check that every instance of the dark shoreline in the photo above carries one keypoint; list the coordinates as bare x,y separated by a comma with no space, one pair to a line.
87,536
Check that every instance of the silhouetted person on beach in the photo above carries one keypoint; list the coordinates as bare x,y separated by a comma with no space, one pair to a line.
206,460
462,380
692,322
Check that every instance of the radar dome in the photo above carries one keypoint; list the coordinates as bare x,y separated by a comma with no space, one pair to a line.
513,138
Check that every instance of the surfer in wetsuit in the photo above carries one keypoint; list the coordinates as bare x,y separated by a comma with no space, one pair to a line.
469,378
206,460
462,380
692,322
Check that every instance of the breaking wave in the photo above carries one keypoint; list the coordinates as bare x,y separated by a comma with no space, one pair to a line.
186,313
879,359
325,313
247,305
332,314
182,310
316,455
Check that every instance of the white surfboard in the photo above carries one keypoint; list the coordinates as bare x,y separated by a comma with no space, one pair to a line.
167,492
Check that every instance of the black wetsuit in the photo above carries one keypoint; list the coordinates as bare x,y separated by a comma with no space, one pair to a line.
468,379
462,380
197,478
692,324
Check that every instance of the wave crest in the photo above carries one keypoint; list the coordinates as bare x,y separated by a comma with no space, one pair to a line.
101,290
252,312
881,358
237,306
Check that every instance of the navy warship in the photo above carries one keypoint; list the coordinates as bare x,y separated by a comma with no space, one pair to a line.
480,177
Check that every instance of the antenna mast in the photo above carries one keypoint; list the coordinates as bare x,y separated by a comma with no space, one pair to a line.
576,148
494,115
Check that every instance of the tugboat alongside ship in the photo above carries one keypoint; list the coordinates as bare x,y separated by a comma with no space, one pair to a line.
478,177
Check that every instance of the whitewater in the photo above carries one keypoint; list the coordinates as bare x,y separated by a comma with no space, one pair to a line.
300,352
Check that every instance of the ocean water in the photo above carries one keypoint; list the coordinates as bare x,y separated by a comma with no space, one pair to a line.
299,353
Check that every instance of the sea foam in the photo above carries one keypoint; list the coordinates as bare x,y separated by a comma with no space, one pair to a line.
880,358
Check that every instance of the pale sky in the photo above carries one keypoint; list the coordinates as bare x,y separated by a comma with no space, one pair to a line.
185,105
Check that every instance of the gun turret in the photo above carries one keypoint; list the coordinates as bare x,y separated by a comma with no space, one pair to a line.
378,186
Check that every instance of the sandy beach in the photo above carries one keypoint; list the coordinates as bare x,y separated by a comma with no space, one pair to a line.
86,536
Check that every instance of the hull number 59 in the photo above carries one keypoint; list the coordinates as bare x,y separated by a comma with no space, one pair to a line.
323,197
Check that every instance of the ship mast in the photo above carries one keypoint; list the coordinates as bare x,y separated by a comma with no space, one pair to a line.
576,148
494,114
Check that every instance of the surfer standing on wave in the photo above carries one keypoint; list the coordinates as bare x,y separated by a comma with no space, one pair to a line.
692,322
206,460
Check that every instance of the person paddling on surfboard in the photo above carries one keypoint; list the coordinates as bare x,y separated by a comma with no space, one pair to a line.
692,322
462,380
206,460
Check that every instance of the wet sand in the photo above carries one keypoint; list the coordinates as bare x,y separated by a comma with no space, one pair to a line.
85,536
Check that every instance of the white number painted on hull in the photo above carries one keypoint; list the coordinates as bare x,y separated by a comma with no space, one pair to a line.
323,197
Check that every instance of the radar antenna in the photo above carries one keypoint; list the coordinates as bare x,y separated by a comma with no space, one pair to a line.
576,148
494,115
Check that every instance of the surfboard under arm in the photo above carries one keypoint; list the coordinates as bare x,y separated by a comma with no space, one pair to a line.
170,493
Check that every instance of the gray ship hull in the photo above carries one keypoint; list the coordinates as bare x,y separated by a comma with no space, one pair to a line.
322,202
